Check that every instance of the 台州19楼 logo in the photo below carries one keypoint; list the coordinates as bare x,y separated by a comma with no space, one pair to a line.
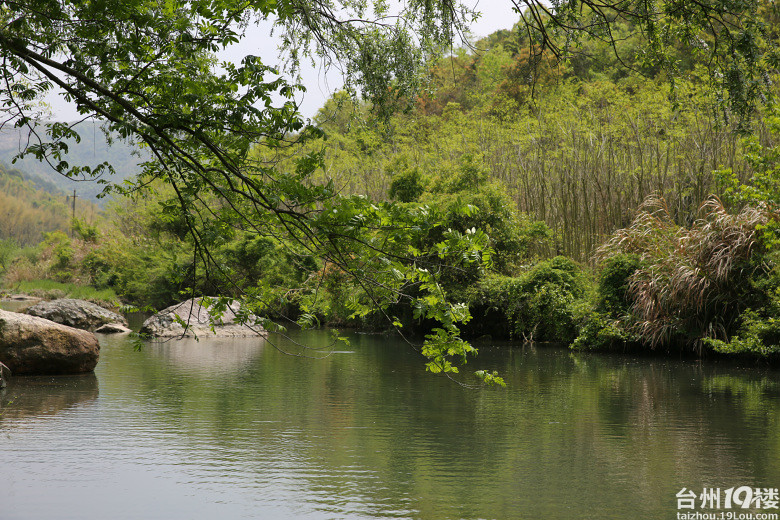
706,504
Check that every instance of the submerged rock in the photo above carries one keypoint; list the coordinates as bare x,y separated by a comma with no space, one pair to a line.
197,319
80,314
32,345
20,298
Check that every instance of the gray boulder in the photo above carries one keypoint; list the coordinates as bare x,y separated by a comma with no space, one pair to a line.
32,345
80,314
197,318
112,328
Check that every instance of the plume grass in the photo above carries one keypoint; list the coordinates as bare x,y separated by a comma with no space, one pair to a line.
693,282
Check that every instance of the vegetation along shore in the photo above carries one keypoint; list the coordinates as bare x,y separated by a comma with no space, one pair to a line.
605,201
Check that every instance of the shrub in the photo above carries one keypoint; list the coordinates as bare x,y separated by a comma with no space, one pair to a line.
63,254
86,232
407,186
601,332
613,281
757,330
541,304
98,265
513,236
757,335
8,250
22,269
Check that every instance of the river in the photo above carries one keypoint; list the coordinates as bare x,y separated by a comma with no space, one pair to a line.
231,429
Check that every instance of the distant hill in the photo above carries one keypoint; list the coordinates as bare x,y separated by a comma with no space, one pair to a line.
91,151
27,210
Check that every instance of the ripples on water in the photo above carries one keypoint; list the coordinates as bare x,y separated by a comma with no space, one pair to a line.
235,429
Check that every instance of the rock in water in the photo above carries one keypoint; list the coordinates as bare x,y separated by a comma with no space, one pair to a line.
112,328
5,373
196,316
80,314
32,345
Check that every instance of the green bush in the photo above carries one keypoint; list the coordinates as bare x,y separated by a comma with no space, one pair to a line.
252,258
99,266
86,232
613,283
407,186
467,201
9,250
541,304
63,256
758,335
600,332
757,331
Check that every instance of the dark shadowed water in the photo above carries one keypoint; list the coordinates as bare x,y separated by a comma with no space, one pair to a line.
234,429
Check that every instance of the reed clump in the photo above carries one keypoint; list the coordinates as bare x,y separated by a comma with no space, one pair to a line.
689,287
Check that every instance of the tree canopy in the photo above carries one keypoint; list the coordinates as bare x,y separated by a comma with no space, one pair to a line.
148,70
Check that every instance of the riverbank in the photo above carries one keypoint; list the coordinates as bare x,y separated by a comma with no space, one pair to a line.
709,289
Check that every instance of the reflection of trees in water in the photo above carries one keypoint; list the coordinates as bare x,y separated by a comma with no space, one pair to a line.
711,398
36,396
371,427
703,422
639,426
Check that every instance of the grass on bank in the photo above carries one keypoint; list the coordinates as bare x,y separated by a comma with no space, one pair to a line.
50,290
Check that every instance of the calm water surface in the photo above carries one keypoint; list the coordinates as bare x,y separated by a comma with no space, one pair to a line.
234,429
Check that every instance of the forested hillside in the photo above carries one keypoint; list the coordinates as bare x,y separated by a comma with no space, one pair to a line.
28,211
579,145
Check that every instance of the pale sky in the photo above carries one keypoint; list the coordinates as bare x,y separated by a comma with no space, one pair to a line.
496,14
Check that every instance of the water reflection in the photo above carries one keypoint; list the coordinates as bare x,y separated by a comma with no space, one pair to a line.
38,396
215,356
243,430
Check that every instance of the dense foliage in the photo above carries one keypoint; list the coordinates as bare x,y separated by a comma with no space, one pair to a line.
538,305
683,287
539,142
581,150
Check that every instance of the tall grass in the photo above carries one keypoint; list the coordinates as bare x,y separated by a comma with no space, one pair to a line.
692,283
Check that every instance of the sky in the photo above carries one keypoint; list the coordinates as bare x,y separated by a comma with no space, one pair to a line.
495,15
